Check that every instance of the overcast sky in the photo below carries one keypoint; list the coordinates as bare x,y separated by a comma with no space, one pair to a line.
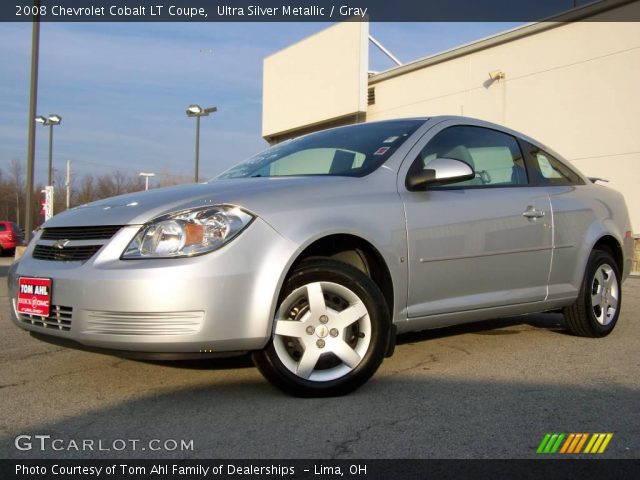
122,89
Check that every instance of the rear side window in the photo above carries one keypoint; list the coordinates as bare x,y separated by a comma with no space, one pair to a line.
3,227
550,171
494,156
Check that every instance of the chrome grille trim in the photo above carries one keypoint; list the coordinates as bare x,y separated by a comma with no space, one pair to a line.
144,323
59,318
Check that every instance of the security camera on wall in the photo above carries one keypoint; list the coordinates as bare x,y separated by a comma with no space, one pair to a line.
496,75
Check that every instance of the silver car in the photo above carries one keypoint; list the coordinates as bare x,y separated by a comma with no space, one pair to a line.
314,254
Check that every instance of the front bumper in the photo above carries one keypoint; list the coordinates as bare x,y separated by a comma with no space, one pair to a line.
219,302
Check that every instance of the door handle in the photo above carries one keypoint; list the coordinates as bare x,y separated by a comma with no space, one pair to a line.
532,212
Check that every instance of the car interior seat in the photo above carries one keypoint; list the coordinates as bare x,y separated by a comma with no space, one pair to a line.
342,162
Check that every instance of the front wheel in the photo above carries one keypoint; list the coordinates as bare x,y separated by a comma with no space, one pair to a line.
330,332
596,311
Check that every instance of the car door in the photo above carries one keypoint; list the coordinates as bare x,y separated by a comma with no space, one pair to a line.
573,216
480,243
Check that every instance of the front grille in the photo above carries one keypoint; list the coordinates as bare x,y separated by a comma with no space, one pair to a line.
59,318
66,254
104,232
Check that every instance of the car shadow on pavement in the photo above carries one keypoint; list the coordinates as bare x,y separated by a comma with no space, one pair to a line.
489,327
393,416
225,363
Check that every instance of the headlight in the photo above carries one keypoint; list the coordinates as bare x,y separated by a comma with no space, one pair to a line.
187,233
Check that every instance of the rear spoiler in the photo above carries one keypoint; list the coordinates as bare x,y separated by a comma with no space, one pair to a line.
598,179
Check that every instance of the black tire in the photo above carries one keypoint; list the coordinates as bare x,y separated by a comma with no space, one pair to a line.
313,271
581,317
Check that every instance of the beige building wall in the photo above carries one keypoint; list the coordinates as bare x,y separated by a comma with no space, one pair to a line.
575,87
319,79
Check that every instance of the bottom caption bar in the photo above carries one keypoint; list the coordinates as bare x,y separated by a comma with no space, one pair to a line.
549,469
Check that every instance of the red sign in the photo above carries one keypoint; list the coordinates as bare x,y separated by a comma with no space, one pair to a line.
381,151
34,296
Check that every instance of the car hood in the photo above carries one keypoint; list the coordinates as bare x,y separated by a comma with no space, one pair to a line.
257,195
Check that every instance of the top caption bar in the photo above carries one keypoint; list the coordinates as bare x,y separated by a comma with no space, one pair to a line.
318,11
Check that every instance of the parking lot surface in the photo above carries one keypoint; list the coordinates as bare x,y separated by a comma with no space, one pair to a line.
488,390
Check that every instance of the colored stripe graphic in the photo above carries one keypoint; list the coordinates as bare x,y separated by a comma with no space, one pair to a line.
572,443
592,441
607,439
551,443
543,443
581,443
598,443
568,442
556,446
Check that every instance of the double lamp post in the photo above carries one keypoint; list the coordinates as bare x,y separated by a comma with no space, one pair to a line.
50,121
192,111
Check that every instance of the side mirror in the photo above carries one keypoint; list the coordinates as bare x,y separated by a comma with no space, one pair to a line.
441,171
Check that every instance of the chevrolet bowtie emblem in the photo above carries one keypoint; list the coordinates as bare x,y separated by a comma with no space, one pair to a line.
60,244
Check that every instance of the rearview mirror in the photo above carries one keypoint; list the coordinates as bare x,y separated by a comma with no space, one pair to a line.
440,171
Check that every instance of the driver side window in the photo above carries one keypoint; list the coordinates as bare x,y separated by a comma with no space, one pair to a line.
494,156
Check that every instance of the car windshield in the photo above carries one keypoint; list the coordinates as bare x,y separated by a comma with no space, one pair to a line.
353,151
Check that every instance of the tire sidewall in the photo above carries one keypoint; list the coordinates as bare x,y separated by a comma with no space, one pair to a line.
598,258
356,281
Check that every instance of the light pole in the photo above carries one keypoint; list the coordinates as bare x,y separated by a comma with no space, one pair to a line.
50,121
197,111
33,101
146,176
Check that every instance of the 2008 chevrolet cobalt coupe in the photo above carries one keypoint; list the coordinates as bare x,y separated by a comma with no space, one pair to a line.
314,254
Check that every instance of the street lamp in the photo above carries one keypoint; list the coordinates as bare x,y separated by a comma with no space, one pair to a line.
50,121
197,111
146,176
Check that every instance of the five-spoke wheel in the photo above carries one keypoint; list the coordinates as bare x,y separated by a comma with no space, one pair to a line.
330,331
596,311
604,294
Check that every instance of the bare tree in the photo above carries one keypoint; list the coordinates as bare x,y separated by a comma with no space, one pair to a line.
86,191
16,179
167,179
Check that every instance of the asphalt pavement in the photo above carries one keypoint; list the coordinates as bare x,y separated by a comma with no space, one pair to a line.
487,390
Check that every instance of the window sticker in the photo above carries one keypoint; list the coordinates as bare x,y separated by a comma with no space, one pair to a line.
391,139
381,151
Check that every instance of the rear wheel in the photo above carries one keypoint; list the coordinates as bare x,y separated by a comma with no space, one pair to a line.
330,332
596,311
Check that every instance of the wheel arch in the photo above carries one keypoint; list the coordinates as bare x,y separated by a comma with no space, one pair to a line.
355,251
612,245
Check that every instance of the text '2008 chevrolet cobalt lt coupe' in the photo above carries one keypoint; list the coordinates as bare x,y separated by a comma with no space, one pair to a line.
314,254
